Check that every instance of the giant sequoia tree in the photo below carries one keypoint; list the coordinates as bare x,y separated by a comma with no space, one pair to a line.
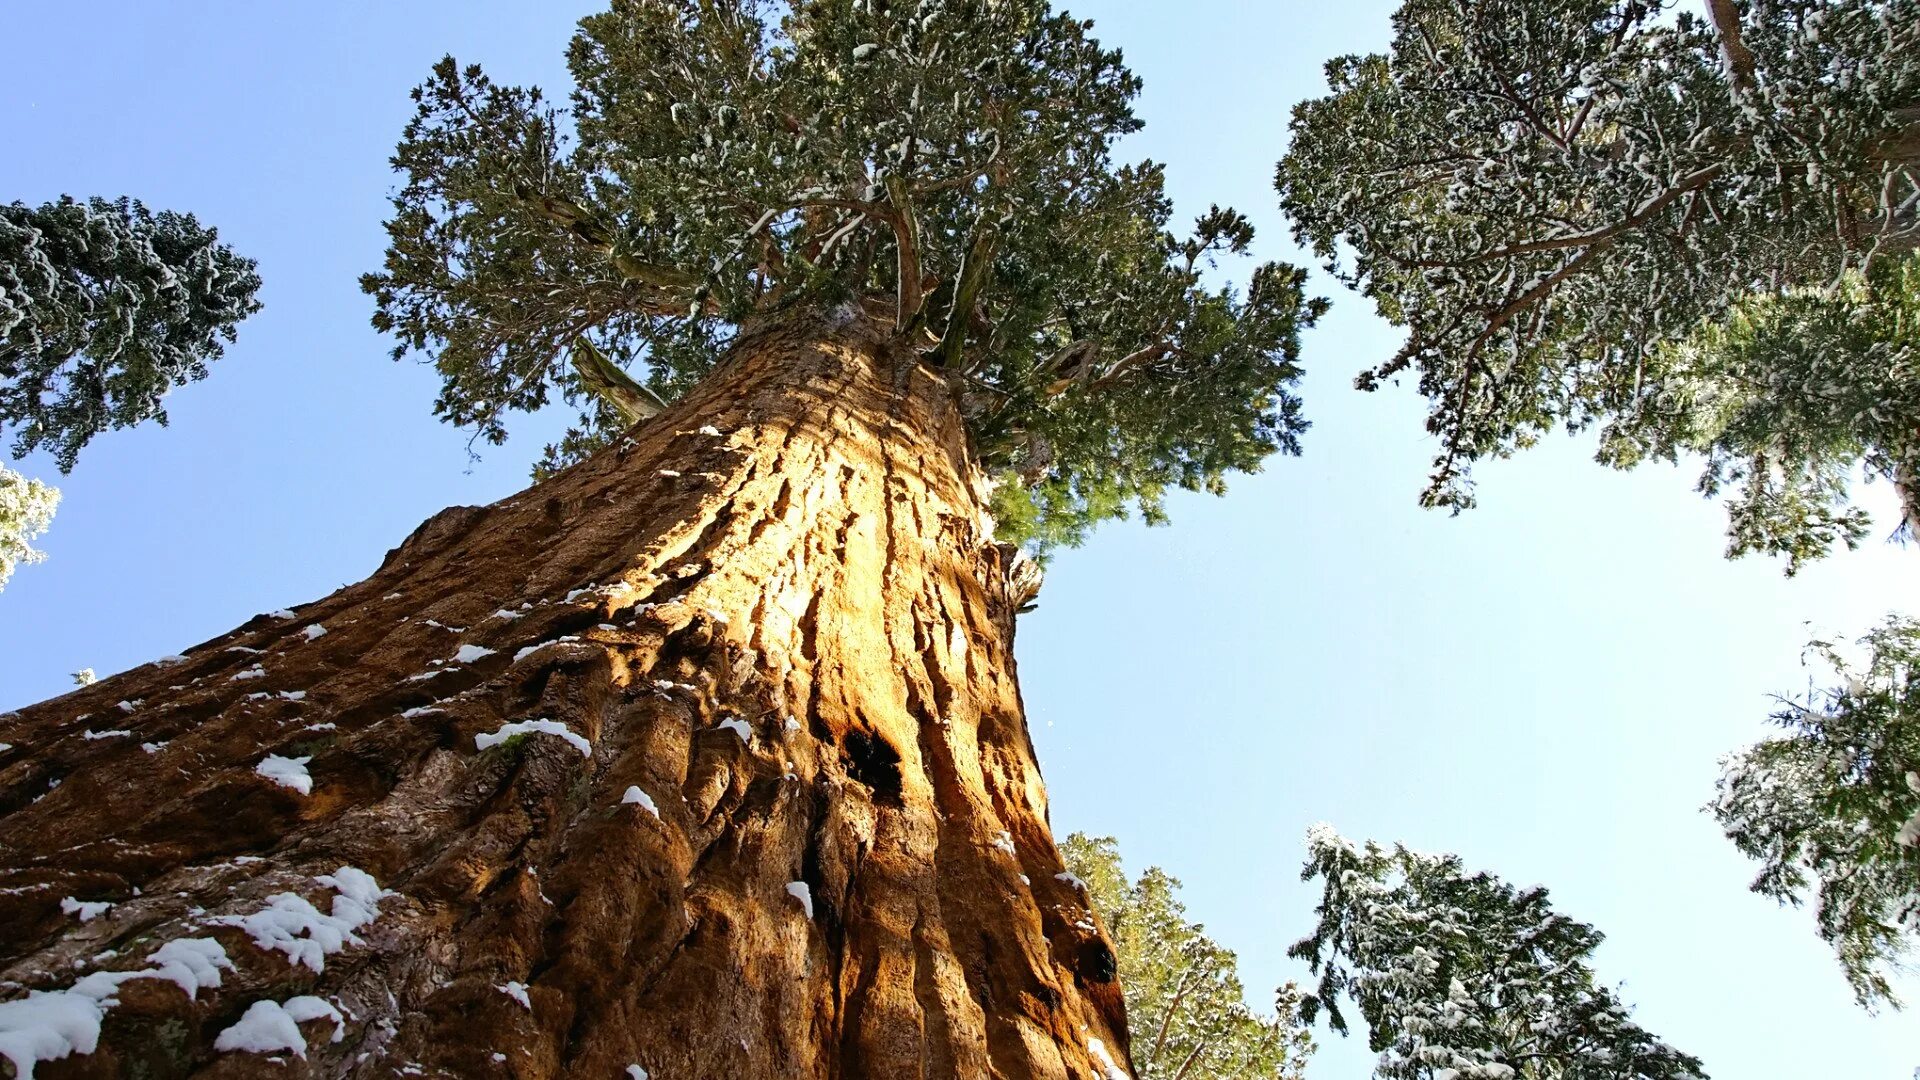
703,757
1586,212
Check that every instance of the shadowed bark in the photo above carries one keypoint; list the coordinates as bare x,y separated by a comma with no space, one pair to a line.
776,610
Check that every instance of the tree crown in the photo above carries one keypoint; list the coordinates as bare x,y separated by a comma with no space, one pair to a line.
1553,197
946,161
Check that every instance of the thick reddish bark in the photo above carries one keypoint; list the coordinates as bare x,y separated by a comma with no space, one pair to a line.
775,613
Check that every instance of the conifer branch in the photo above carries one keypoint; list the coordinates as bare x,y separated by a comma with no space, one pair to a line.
966,293
906,234
628,397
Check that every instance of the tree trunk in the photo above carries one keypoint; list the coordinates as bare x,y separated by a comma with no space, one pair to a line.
783,818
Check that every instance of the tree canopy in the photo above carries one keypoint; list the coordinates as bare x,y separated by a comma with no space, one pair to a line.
1831,806
1590,212
946,162
105,307
1185,1004
1461,976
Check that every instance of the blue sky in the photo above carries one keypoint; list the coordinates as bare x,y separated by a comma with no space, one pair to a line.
1543,684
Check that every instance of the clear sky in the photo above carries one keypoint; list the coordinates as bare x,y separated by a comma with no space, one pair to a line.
1543,685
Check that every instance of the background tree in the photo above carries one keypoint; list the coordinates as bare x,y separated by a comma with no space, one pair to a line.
705,756
105,307
1185,1003
1586,213
1831,807
723,162
1463,977
26,507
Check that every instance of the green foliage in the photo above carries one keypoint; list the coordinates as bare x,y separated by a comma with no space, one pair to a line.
26,509
1588,213
1185,1005
105,307
1831,807
946,161
1785,396
1463,977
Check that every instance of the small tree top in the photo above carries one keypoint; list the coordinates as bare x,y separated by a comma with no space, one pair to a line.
1461,976
946,161
1550,195
105,307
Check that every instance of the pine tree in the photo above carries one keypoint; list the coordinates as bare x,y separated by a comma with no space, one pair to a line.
704,756
1185,1003
1463,977
1588,213
26,507
105,308
1831,807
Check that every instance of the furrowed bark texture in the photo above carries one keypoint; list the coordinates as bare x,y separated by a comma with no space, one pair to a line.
775,610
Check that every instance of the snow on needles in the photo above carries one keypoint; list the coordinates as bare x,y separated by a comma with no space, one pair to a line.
525,727
290,924
287,772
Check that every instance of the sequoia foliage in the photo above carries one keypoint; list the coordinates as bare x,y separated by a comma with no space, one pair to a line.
948,163
1587,213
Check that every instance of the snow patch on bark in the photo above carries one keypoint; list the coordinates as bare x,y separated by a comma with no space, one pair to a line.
290,924
1099,1051
272,1026
801,892
48,1025
287,772
636,797
86,910
527,727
